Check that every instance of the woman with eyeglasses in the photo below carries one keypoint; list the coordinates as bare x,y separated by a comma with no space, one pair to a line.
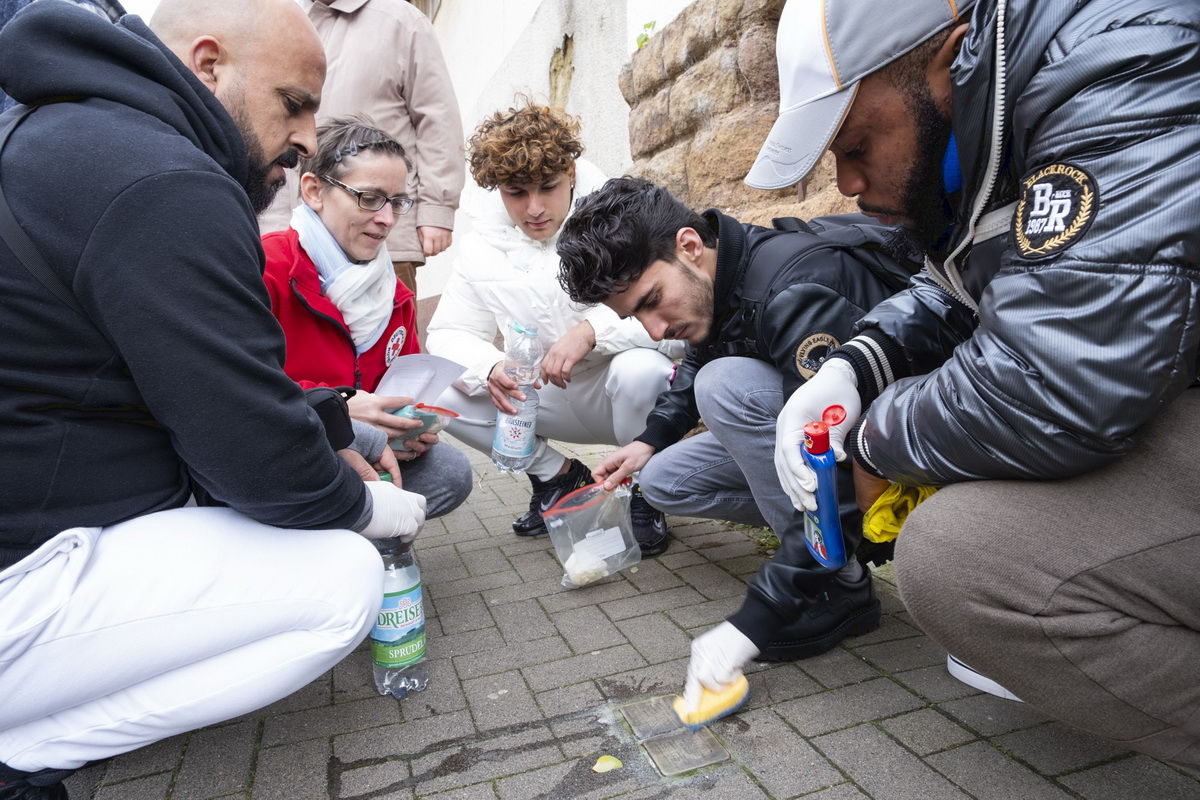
344,315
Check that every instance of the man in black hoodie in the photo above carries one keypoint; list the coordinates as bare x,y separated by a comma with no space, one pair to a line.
144,367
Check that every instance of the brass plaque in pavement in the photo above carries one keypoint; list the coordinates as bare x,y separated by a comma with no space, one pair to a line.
651,717
685,751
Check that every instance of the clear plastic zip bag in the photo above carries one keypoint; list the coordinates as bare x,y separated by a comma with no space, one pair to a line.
591,533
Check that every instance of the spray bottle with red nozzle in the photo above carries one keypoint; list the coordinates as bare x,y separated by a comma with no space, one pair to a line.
823,527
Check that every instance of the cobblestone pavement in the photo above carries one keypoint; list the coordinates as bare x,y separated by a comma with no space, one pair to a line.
527,679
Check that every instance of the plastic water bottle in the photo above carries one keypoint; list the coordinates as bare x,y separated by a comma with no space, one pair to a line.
515,437
398,638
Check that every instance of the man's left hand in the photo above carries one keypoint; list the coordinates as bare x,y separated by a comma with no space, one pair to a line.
434,240
867,487
568,351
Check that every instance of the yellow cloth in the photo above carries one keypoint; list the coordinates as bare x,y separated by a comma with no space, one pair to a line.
886,516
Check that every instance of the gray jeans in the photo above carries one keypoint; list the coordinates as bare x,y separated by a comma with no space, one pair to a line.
443,475
728,473
1080,595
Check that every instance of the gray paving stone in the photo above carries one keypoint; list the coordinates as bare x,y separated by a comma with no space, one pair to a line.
537,564
884,768
486,759
838,668
850,705
573,778
477,583
386,781
988,774
341,718
497,701
443,694
909,653
570,699
463,643
476,665
153,787
406,739
609,589
891,627
991,716
584,735
217,761
1137,777
716,536
587,629
293,772
523,592
666,678
317,693
83,782
730,552
935,684
522,622
657,638
162,756
1053,749
594,664
646,603
467,612
781,761
651,576
777,683
685,558
515,546
712,581
705,614
843,791
926,731
352,677
480,791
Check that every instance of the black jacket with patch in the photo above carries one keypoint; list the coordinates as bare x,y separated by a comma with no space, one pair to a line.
787,297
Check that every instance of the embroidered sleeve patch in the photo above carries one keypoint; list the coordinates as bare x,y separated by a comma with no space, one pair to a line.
812,351
1057,204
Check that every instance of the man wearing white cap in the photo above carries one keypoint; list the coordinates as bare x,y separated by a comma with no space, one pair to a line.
1045,157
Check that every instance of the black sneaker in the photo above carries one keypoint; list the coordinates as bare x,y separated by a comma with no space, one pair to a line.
842,609
45,784
649,524
546,494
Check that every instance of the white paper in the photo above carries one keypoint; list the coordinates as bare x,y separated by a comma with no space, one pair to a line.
420,376
602,544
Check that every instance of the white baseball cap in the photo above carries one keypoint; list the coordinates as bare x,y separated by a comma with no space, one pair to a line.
824,48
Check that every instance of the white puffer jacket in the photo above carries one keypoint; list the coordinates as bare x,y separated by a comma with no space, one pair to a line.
501,276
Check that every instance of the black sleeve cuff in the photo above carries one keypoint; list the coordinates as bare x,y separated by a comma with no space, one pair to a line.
856,449
877,360
757,621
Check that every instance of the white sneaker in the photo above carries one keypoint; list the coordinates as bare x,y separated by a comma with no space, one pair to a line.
977,680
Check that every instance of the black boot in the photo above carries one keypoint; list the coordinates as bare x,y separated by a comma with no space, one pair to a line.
842,609
649,524
44,784
546,494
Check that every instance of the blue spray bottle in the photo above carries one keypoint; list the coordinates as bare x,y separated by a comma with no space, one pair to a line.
823,527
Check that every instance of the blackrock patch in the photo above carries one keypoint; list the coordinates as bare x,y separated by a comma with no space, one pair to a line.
1057,204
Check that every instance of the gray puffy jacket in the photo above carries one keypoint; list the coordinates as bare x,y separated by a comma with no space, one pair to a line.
1043,351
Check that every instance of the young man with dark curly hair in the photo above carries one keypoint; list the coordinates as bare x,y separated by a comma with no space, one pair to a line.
759,308
601,374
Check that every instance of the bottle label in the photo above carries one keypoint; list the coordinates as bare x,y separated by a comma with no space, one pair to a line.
398,638
514,436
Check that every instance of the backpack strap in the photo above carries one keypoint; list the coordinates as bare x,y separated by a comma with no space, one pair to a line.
19,242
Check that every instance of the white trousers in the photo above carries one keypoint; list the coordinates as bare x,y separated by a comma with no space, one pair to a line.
607,404
113,638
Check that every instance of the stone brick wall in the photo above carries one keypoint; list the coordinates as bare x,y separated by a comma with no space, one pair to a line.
703,93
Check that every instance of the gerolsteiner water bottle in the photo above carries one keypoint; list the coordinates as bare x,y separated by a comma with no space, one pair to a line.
515,437
398,638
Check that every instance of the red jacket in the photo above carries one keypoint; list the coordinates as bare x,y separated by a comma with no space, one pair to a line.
320,351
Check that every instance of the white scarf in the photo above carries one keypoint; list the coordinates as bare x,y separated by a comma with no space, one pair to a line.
363,293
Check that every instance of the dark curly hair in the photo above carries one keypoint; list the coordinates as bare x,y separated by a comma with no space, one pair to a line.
340,140
527,144
615,233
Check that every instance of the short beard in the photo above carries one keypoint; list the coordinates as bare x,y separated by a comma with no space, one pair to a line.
259,187
923,198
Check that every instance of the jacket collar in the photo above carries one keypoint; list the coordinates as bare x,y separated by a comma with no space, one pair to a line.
343,6
731,264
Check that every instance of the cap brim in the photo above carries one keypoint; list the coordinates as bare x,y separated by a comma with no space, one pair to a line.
797,140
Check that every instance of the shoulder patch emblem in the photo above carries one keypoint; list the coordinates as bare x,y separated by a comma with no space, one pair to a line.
812,351
394,345
1057,205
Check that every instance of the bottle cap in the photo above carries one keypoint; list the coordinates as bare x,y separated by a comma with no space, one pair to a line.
816,437
833,415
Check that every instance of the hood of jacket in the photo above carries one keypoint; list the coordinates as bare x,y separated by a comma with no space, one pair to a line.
490,220
58,51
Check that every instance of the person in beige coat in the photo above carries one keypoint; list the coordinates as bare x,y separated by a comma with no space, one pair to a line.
385,64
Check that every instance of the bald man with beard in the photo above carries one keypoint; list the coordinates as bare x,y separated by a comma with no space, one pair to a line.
142,368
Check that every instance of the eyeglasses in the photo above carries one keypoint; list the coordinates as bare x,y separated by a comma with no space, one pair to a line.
373,201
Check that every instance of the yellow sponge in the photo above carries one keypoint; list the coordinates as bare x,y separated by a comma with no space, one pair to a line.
713,705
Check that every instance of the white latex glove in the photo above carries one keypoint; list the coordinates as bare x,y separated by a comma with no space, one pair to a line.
835,384
395,513
718,657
